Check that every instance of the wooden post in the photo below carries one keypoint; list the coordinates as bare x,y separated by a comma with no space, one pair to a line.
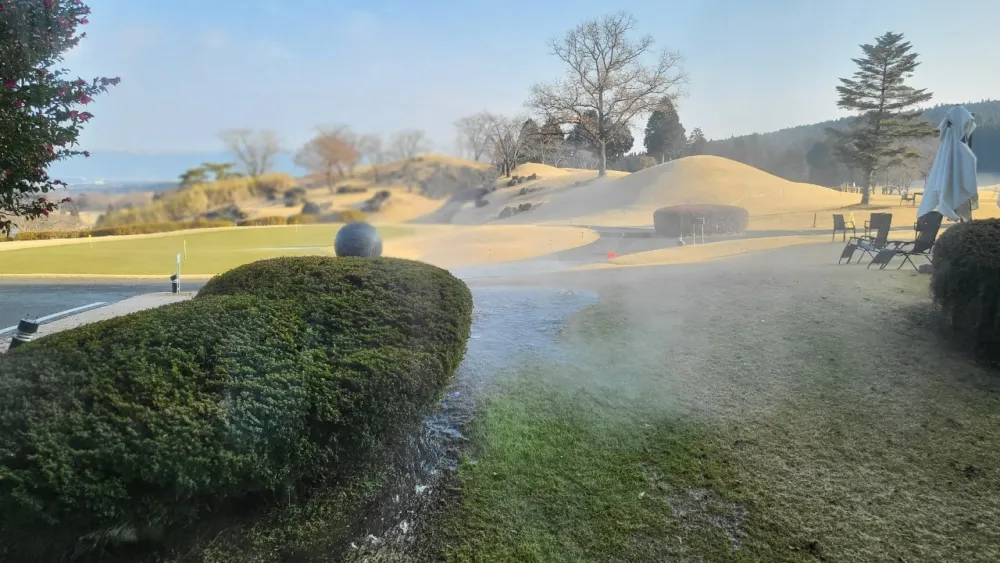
814,220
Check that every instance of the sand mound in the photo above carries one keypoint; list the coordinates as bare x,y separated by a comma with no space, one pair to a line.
630,200
403,206
541,170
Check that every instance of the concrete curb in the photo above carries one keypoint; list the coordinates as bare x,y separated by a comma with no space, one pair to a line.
123,307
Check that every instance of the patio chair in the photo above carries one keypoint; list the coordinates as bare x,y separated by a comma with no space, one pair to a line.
870,245
871,224
928,227
839,224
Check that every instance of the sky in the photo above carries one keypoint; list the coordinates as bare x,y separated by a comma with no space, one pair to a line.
191,68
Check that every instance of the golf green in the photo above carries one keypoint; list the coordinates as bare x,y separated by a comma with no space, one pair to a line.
203,252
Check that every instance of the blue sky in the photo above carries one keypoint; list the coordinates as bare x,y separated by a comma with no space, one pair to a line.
190,68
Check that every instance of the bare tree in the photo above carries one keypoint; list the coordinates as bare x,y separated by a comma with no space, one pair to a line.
407,144
506,141
473,134
329,154
607,74
370,148
255,150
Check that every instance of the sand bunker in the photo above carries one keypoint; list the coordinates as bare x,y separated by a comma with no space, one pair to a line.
631,199
455,246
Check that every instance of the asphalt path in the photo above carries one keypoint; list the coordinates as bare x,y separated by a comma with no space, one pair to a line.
42,298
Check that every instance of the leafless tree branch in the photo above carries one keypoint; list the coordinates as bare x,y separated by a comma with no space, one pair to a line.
606,74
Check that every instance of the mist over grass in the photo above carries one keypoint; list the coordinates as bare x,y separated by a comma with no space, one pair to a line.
729,414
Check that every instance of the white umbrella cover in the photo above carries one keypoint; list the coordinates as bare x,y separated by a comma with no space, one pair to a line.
951,187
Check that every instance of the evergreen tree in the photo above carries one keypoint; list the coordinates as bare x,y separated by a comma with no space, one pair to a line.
824,169
197,175
665,138
551,141
531,143
697,142
617,143
888,115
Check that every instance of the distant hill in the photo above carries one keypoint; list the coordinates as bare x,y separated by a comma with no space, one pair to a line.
802,153
120,167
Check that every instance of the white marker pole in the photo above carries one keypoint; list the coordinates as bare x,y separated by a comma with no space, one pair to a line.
175,280
185,249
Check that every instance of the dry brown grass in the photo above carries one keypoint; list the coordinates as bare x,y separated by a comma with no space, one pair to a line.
811,407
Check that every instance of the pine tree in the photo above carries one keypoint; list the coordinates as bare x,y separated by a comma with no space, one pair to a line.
617,142
696,142
664,136
530,151
887,110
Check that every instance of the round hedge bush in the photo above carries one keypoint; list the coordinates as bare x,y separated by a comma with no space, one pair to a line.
682,219
279,375
965,281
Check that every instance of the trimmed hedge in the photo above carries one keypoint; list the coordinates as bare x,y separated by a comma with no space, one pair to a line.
342,216
279,375
126,229
263,221
682,219
965,281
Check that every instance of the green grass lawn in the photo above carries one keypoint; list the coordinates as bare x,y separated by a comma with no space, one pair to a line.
612,460
208,252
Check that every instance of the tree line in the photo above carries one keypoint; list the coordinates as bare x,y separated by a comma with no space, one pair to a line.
806,154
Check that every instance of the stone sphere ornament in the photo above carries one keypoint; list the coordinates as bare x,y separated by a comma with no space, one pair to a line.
358,239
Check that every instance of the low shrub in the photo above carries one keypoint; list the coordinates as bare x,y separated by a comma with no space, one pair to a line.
301,219
47,235
280,375
341,216
351,189
263,221
311,208
634,163
682,219
965,282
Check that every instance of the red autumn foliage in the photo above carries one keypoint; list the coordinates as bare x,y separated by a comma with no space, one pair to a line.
38,124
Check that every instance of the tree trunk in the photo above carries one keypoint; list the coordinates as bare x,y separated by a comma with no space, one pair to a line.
866,187
602,166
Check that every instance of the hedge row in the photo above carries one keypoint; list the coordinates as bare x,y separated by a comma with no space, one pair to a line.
279,375
682,220
263,221
966,281
345,216
131,229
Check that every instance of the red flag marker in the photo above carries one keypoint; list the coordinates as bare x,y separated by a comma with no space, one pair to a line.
611,255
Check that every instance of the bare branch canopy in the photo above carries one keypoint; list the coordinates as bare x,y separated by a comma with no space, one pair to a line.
607,74
256,150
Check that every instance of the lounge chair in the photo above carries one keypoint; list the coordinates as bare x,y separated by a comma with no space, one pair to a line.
839,224
870,245
871,224
928,227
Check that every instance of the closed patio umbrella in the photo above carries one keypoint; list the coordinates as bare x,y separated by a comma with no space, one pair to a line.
951,187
